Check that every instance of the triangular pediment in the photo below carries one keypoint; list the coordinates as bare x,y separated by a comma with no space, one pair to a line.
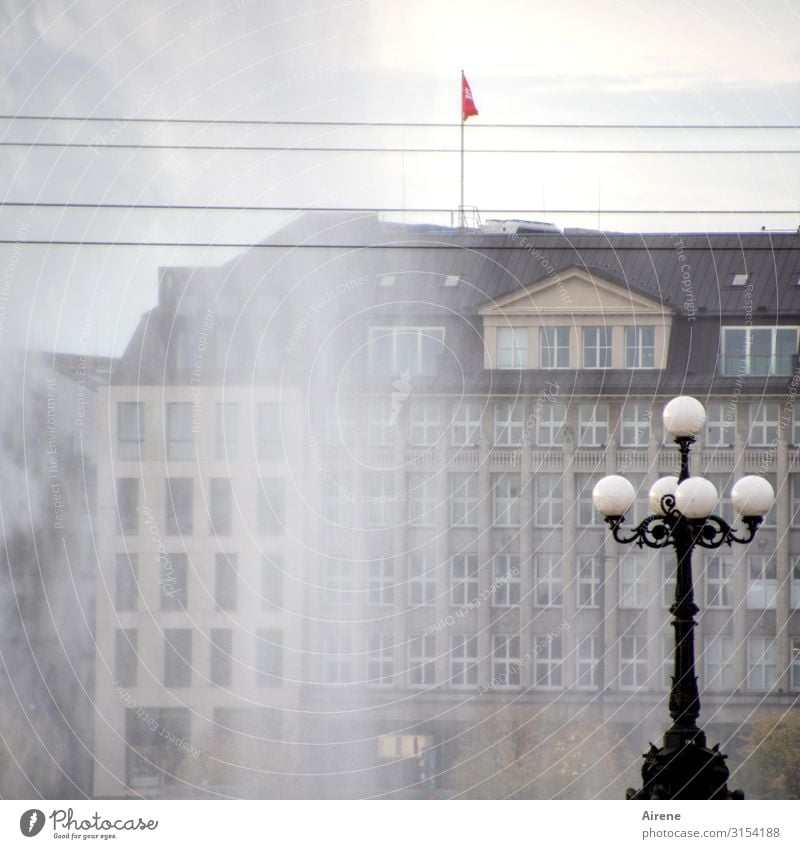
578,291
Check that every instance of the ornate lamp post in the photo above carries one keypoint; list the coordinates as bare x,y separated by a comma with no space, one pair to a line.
684,768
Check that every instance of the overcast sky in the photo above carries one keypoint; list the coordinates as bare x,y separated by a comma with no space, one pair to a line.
644,62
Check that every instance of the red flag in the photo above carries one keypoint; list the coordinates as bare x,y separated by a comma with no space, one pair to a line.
468,108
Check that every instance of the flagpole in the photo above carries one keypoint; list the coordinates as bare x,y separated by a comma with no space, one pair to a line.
461,219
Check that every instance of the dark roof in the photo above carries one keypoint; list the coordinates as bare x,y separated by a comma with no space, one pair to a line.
340,259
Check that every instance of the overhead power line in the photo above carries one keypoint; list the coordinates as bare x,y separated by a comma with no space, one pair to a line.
186,207
256,122
347,149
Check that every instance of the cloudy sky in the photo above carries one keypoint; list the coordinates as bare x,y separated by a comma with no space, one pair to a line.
573,63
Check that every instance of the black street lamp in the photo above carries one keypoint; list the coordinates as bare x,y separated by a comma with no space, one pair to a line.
684,768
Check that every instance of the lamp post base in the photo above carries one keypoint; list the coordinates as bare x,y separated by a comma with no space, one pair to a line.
684,768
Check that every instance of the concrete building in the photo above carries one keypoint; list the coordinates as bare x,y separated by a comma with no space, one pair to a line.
345,500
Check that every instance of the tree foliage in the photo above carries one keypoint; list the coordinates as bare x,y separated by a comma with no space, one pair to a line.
515,753
770,756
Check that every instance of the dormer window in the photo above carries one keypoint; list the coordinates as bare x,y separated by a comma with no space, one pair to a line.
640,346
758,350
554,347
740,278
597,347
580,321
512,347
398,350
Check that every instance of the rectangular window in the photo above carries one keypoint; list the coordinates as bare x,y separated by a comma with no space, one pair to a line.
272,581
549,656
794,596
179,498
421,579
227,431
505,662
128,506
588,662
590,581
422,660
225,581
635,426
150,763
796,425
794,660
632,581
597,347
506,500
126,657
719,581
464,500
270,505
337,659
338,581
422,500
718,657
550,419
554,347
762,589
762,663
465,429
220,661
512,347
269,657
380,582
399,350
723,483
177,657
764,424
463,660
381,499
794,500
632,662
173,578
720,425
126,586
592,425
640,346
380,659
220,507
508,424
463,579
426,422
340,425
184,350
587,515
548,501
130,422
381,422
180,439
549,583
270,435
758,351
337,499
505,580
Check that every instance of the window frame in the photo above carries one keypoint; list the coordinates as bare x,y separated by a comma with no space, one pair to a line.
637,349
554,347
511,348
602,352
